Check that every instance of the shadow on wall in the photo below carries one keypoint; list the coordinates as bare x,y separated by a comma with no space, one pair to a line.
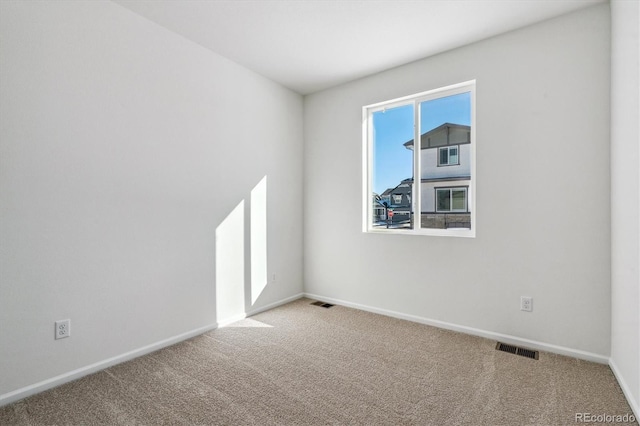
241,257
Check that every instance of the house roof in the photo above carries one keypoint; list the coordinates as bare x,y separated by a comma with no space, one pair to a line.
403,188
443,135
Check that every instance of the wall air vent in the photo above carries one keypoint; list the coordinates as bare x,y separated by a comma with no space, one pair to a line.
528,353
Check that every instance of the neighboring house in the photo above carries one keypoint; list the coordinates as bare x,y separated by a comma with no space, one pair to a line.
379,209
398,200
385,197
446,176
400,196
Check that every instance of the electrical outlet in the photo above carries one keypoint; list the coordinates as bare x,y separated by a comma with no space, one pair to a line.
63,329
526,303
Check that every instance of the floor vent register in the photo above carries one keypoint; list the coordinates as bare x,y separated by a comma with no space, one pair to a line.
528,353
322,304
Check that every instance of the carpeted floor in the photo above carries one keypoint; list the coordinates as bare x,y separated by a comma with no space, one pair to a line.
305,365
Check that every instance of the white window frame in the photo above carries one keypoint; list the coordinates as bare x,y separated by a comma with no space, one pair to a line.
416,199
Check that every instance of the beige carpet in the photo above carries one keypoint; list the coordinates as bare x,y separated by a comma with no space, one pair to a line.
301,364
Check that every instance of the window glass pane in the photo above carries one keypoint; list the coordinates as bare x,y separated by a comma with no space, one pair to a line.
443,201
453,155
458,199
392,174
444,156
445,129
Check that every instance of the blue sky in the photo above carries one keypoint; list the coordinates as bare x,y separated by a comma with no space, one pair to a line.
392,162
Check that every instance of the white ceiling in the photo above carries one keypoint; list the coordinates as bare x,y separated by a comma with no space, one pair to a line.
310,45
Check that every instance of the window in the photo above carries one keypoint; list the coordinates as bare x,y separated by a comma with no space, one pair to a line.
451,199
448,156
407,144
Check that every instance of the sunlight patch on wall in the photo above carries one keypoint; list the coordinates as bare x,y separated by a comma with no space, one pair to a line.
259,278
230,265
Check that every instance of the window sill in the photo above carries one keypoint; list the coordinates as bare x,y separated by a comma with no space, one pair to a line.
451,232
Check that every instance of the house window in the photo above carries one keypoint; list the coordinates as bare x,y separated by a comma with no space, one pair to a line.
448,156
406,141
451,199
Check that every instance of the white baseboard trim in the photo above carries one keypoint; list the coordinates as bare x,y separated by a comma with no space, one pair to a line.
44,385
505,338
270,306
225,322
625,388
26,391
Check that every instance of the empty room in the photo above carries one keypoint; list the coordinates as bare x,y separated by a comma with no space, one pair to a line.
232,212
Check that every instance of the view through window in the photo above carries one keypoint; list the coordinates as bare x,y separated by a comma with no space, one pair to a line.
431,192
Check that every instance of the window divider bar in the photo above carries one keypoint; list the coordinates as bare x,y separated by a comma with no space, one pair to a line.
367,165
417,172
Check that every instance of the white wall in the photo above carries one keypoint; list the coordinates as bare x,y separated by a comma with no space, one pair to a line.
542,191
123,150
625,196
